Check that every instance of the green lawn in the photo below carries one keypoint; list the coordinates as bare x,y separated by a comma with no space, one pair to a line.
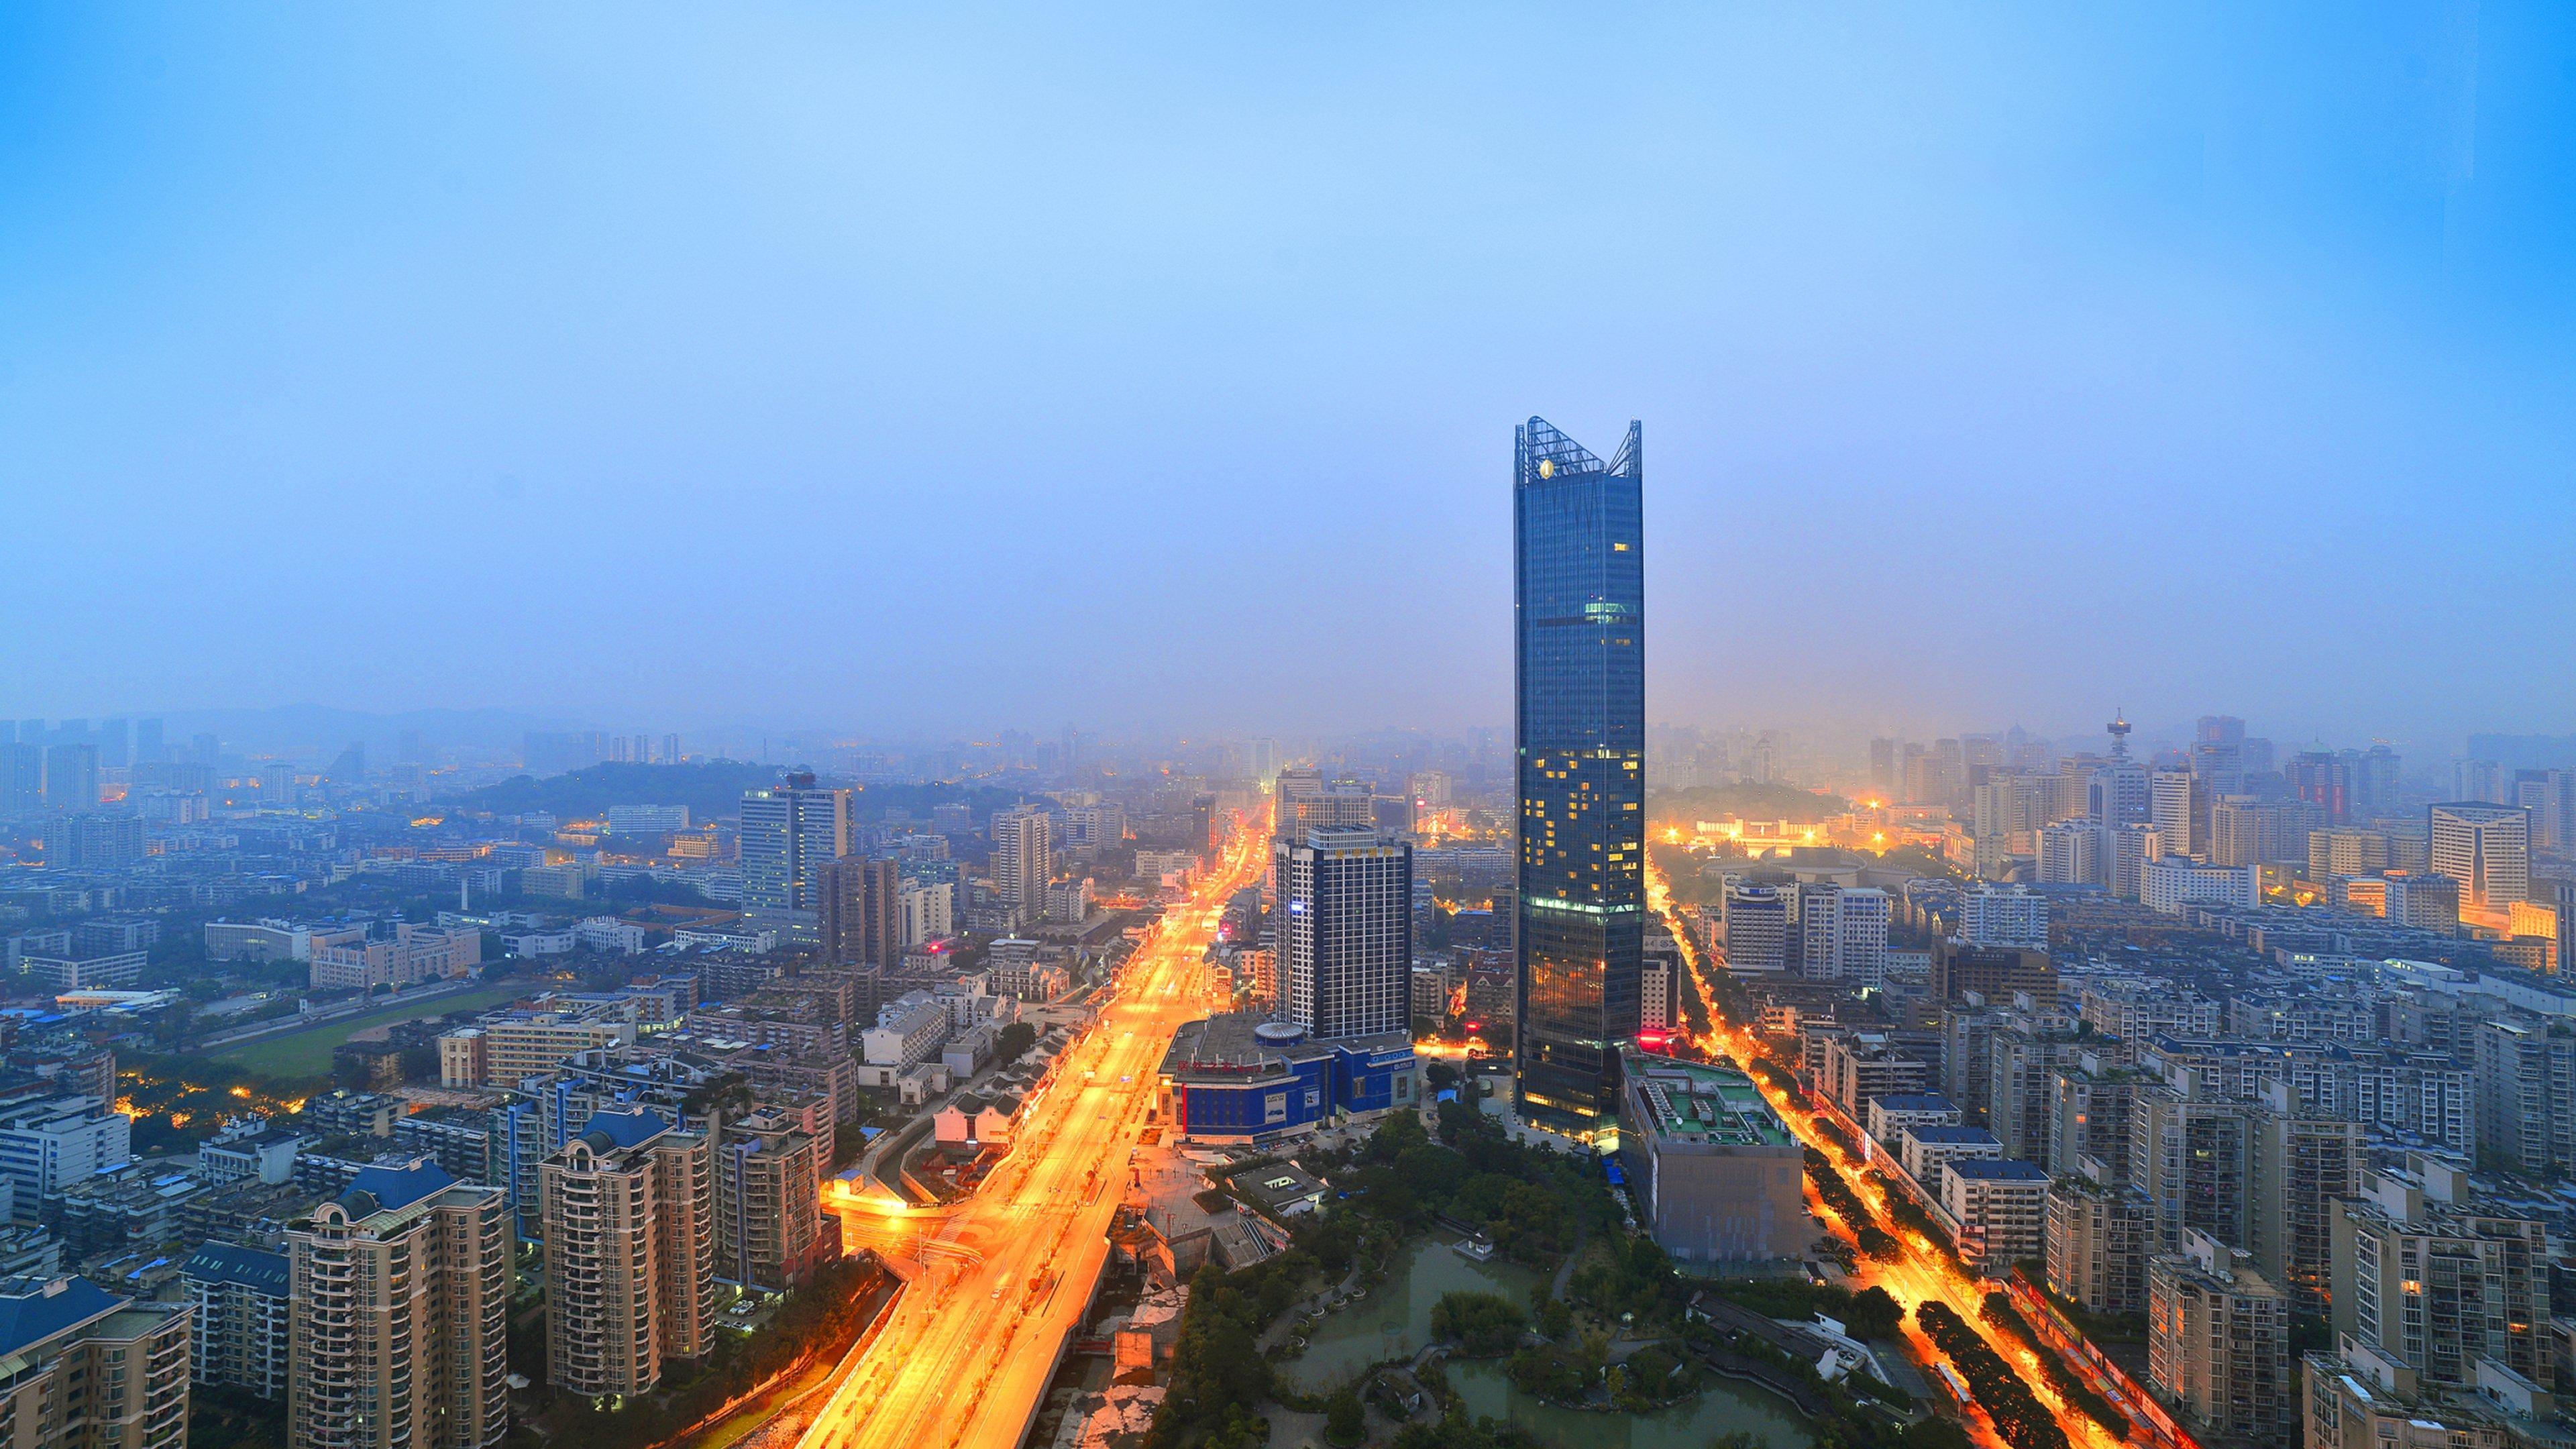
307,1053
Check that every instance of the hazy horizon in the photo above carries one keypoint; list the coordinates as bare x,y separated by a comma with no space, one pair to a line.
920,373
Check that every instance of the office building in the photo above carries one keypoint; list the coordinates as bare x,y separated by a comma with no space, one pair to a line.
1579,630
2425,1278
788,833
1992,972
90,1370
2171,796
398,1299
770,1229
859,915
1718,1177
1753,928
415,954
239,1334
2100,1236
2487,849
630,1235
1346,935
1842,934
2218,1342
2323,779
1023,863
45,1146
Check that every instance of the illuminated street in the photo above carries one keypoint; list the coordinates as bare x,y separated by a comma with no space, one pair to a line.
968,1350
1922,1272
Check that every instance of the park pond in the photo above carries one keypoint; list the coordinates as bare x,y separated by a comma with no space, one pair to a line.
1394,1321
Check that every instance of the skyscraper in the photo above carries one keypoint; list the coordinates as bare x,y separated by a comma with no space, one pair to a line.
1346,957
1579,636
1023,861
789,833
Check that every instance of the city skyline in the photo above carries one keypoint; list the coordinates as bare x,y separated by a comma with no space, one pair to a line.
2017,362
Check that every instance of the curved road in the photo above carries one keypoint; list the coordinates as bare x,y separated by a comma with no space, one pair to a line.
967,1353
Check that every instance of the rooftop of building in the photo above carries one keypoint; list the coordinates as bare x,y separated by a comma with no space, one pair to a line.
1914,1102
1234,1044
30,1313
385,1187
1998,1170
232,1263
1954,1136
1696,1102
626,1129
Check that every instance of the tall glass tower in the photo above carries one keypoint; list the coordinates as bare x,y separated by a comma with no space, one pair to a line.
1579,633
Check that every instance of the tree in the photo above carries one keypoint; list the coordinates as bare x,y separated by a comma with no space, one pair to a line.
1014,1043
1344,1421
1484,1324
1874,1313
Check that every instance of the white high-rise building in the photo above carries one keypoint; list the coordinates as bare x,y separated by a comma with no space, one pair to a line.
2070,853
2126,849
2487,849
1346,938
2004,916
1842,934
2169,809
1023,861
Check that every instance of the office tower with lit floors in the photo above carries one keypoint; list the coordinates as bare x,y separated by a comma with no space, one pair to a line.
1579,638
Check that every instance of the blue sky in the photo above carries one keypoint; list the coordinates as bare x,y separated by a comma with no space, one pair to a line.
921,368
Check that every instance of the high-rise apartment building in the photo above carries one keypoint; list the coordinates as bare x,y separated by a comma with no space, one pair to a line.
71,776
768,1183
789,832
2100,1236
2192,1158
2218,1342
859,914
1346,938
90,1370
2425,1278
239,1334
1579,631
2346,852
2004,916
2300,1165
2218,754
22,778
399,1293
1022,862
2487,849
630,1234
2526,1095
